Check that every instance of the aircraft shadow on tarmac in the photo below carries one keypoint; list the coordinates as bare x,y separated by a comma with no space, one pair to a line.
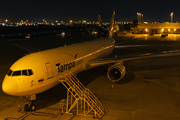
129,76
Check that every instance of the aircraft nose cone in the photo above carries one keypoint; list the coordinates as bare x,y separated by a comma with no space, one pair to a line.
10,86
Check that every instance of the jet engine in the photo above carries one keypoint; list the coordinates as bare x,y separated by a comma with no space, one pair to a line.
116,72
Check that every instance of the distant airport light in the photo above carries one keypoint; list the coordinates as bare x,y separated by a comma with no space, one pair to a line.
169,30
174,29
6,20
162,30
84,21
63,34
146,29
3,24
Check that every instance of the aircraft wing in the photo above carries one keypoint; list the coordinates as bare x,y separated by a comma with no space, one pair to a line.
99,62
26,48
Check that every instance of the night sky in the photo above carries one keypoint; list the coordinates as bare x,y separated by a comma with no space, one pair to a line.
65,10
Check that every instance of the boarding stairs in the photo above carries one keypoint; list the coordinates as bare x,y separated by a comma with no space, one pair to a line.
80,100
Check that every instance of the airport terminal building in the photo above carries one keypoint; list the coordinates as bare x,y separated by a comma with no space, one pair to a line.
158,28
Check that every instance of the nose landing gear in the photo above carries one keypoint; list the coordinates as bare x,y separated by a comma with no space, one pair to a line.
29,106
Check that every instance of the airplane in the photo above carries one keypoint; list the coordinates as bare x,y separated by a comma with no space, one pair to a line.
105,29
38,71
100,21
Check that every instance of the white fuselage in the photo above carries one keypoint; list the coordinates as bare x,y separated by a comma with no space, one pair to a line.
47,65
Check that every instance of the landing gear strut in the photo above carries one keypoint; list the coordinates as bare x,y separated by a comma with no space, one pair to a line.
29,106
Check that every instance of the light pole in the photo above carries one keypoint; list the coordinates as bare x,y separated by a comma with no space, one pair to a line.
171,17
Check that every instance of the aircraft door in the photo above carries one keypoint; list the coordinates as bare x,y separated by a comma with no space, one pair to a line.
49,70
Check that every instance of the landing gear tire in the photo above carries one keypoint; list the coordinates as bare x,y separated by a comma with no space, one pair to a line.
32,107
26,107
29,107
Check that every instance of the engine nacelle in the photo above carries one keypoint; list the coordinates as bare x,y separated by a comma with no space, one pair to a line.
116,72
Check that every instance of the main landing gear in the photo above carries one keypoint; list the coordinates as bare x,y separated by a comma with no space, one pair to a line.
29,106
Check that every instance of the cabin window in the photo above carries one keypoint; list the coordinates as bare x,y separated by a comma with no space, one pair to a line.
16,73
24,72
9,72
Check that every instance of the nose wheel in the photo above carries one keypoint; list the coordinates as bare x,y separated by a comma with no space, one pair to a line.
29,106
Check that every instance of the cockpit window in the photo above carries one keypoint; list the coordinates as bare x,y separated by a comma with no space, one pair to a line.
16,73
30,72
27,72
9,72
24,72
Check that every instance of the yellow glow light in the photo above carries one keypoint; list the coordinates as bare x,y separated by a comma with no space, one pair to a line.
171,13
146,29
169,30
162,30
174,29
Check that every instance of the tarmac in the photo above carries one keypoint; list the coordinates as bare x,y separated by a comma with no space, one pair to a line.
150,89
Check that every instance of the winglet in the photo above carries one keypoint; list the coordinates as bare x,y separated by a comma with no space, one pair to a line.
111,25
99,20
